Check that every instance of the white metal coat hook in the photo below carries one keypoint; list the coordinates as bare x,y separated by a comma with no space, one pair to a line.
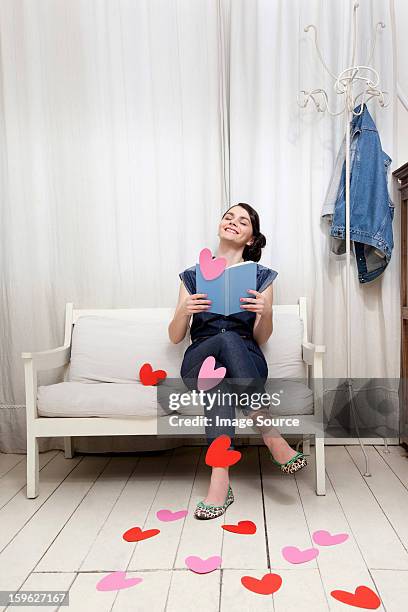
355,75
356,83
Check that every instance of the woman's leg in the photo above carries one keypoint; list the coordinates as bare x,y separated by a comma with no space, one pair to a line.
274,441
230,351
249,371
242,374
216,409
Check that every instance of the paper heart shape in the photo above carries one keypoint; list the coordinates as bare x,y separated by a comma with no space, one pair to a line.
167,515
363,597
148,376
209,376
325,538
243,527
135,534
218,455
203,566
211,268
293,554
267,585
116,581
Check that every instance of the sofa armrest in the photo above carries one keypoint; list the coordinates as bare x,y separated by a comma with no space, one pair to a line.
312,354
310,351
52,358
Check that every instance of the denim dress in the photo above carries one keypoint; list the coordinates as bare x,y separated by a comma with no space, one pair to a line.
244,357
206,324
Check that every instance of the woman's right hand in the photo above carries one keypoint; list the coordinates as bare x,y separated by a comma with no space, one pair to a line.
194,303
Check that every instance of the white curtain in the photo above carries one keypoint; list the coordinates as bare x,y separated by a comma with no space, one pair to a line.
129,126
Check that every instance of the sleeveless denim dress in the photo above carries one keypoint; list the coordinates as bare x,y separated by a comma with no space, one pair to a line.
206,324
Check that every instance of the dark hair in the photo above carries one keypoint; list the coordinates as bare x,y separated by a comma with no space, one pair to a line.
254,251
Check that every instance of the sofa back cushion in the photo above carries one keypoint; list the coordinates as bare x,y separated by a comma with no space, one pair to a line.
283,351
113,349
109,349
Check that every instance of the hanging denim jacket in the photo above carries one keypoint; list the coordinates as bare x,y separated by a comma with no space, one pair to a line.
371,209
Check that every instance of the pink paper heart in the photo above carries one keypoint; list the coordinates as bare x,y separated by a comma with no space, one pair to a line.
208,376
295,555
116,581
325,538
203,566
168,515
211,268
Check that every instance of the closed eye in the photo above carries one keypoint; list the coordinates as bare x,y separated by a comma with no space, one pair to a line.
242,220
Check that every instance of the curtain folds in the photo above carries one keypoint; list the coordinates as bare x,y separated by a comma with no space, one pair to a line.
128,127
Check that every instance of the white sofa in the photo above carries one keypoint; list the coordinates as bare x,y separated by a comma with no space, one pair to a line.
101,393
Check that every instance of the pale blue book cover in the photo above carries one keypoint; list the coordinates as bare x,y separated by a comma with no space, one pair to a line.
226,290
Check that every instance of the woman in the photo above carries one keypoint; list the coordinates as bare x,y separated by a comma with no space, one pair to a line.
234,342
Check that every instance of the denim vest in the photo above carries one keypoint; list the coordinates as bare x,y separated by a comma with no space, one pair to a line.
206,324
371,209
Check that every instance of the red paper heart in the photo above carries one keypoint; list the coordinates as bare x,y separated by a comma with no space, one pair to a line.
218,454
135,534
363,597
148,376
243,527
267,585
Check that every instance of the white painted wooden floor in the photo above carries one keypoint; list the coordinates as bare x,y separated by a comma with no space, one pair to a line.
71,535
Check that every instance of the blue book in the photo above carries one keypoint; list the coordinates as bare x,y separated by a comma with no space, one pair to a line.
226,290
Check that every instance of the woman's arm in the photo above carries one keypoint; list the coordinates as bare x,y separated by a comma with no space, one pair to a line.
261,303
186,306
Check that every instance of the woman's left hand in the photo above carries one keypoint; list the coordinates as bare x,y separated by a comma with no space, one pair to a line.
256,304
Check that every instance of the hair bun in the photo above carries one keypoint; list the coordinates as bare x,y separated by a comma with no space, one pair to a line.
261,240
254,251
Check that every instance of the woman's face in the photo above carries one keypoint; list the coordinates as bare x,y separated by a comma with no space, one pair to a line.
236,226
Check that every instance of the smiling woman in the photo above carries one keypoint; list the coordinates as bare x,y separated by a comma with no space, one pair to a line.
241,224
234,341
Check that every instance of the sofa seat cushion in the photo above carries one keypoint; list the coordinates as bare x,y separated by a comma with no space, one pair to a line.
116,400
111,400
74,399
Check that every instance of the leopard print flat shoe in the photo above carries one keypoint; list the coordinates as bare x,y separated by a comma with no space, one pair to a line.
208,511
293,465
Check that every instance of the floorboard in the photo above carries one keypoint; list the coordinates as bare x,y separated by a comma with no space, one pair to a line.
71,535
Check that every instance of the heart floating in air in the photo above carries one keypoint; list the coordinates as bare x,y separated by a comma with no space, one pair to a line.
267,585
211,268
325,538
209,376
218,455
363,597
148,376
135,534
295,555
243,528
168,515
203,566
116,581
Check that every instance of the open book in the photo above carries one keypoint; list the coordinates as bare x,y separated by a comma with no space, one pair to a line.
226,289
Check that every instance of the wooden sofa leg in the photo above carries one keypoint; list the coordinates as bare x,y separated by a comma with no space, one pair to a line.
32,467
306,444
68,451
320,466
